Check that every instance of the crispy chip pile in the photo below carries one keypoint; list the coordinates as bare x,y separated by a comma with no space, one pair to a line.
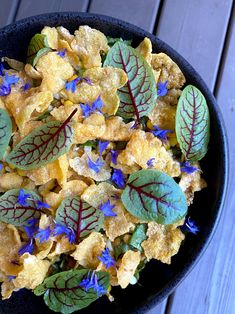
128,147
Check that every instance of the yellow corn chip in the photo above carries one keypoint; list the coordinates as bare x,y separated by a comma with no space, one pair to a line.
163,241
89,249
127,268
52,36
10,181
117,130
145,49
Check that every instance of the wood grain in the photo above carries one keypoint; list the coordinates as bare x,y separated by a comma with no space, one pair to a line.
210,288
139,12
196,29
7,11
29,7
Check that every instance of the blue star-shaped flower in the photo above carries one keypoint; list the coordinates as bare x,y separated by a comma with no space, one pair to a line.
1,69
86,110
43,234
190,226
162,88
150,162
8,80
107,209
22,198
91,282
186,167
26,87
42,205
97,105
62,52
118,178
95,165
102,147
27,248
72,84
10,278
1,167
114,155
107,259
31,228
68,232
159,133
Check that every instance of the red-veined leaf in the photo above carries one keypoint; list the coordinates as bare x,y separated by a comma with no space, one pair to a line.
154,196
44,145
64,294
192,123
14,213
80,216
5,131
138,96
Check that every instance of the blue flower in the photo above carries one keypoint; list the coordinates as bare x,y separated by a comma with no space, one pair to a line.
27,248
68,232
87,80
102,147
114,155
8,80
22,197
43,234
95,165
118,178
86,110
161,134
189,226
91,282
31,228
5,90
107,259
97,105
150,162
62,52
162,88
1,167
72,84
42,205
10,278
26,87
186,167
107,209
1,69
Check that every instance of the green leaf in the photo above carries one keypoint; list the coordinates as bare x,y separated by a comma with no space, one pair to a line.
138,236
138,96
80,216
120,249
5,131
154,196
38,46
112,41
13,213
42,146
64,294
192,123
90,143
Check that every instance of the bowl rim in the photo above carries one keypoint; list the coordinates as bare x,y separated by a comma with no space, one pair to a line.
188,267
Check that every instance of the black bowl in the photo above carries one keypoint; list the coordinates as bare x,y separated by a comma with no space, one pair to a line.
157,280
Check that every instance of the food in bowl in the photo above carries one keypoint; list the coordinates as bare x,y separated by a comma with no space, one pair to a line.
100,146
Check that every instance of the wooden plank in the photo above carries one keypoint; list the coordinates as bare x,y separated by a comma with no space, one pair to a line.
139,12
7,12
196,29
210,288
28,7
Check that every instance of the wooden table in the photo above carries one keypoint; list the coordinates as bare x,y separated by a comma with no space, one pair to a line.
203,31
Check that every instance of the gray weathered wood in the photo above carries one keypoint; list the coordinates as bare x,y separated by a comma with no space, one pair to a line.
29,7
139,12
196,29
210,288
7,11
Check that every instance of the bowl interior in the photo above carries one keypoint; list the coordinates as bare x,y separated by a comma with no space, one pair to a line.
157,280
